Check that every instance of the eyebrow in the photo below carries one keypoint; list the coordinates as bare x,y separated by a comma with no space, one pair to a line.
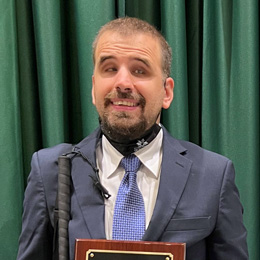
104,58
144,61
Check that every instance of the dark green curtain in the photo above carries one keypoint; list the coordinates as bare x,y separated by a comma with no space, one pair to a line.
45,86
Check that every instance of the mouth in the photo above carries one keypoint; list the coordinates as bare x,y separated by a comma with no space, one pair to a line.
123,105
126,103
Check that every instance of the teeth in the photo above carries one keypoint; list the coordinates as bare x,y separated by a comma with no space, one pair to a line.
124,103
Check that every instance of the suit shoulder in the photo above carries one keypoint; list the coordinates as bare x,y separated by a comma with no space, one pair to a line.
52,153
191,150
197,152
204,160
44,167
204,163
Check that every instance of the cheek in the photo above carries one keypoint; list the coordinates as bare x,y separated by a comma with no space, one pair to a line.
155,97
102,88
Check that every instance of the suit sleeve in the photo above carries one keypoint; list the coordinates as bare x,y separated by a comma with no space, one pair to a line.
228,241
36,237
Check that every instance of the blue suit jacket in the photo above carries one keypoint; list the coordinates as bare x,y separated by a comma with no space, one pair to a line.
198,202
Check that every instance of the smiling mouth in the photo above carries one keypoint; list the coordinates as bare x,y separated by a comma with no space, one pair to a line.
125,103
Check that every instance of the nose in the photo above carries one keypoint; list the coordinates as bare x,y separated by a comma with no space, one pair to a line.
124,81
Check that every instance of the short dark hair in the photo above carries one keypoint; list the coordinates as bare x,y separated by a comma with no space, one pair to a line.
131,25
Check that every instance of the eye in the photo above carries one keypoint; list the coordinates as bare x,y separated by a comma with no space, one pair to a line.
111,69
139,71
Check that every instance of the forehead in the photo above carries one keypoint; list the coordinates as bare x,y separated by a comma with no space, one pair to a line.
138,45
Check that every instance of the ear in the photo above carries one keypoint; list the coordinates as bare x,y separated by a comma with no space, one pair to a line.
168,88
92,92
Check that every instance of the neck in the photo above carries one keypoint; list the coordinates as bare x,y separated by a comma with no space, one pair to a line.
128,147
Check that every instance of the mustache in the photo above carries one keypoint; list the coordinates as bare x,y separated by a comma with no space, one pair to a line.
124,95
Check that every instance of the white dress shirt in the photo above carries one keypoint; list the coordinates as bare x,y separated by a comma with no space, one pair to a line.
148,176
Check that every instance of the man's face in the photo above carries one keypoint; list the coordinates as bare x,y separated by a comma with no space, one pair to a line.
128,85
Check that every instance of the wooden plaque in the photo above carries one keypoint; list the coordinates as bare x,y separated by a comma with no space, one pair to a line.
95,249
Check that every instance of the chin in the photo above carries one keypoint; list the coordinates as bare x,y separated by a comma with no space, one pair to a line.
123,129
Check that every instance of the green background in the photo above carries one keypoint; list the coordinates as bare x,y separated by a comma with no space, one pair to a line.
45,86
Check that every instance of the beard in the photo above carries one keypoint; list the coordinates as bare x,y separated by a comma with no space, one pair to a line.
118,127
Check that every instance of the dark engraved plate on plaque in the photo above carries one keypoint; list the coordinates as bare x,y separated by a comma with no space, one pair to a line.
93,254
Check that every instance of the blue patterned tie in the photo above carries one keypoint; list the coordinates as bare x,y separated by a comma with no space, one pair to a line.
129,212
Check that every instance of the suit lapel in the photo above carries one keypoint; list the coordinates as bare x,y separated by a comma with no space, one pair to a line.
174,174
88,196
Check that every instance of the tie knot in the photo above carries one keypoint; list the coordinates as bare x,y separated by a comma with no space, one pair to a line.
131,163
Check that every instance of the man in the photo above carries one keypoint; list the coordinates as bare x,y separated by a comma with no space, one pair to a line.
187,193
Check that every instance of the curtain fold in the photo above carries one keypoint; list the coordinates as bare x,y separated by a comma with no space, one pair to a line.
49,44
173,18
194,32
28,84
230,97
11,185
46,80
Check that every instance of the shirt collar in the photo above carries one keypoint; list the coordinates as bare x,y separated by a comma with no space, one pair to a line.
111,157
150,156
